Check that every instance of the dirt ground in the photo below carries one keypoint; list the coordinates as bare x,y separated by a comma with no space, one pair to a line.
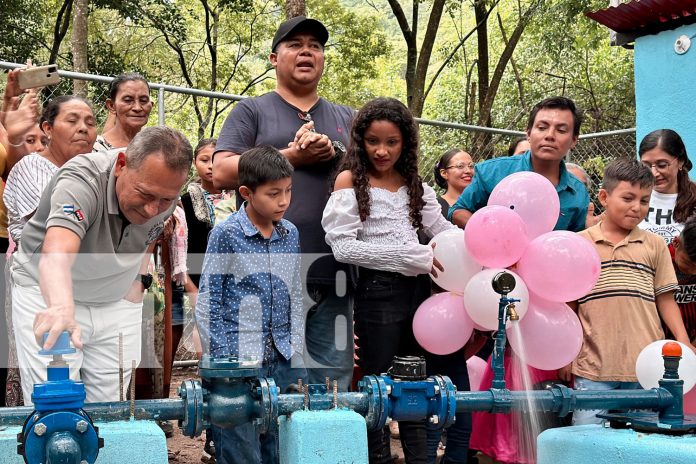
183,449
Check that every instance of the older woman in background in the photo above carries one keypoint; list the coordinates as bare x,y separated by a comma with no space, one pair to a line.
129,108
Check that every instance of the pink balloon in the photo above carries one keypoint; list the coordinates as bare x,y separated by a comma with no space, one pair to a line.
690,402
548,337
560,266
459,266
496,236
476,367
481,301
533,197
441,324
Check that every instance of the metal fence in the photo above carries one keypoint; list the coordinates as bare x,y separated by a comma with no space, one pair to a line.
200,113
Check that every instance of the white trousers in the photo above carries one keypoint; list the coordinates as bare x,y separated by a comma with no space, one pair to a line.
97,364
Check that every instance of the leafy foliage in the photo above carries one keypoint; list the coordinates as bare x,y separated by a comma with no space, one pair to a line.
223,46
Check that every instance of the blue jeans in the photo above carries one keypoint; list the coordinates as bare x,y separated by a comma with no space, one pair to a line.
329,336
581,417
244,444
458,435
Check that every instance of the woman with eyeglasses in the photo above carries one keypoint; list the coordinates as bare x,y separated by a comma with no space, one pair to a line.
453,173
673,197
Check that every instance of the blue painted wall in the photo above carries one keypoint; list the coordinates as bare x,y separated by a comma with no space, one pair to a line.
666,86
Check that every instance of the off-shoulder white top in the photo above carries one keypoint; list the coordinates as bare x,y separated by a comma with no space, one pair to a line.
386,241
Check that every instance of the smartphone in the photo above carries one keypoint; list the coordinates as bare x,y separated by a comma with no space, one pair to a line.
39,76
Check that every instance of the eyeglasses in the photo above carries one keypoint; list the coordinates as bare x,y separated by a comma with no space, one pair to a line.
660,165
461,166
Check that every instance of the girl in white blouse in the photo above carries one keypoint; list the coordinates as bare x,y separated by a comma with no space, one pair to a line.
372,219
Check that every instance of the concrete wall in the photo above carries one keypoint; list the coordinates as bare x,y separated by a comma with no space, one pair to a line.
666,86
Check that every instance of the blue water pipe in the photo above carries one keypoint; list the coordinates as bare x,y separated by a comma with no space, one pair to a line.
232,392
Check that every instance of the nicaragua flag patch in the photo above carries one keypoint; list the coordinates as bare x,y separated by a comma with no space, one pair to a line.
69,210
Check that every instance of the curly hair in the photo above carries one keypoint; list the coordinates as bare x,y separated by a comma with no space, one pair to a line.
358,163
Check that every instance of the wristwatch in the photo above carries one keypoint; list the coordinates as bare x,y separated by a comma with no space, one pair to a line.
145,279
339,148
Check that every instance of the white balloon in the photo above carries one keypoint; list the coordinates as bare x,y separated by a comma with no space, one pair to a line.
650,366
459,266
481,301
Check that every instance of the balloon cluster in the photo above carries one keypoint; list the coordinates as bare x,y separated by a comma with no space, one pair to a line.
551,268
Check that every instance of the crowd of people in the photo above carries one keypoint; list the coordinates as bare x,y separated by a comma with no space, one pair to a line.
303,235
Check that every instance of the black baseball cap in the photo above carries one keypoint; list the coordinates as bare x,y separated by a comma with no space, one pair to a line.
297,24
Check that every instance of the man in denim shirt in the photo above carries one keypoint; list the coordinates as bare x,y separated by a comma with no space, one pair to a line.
250,298
553,129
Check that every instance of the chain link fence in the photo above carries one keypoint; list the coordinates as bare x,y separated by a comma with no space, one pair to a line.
200,114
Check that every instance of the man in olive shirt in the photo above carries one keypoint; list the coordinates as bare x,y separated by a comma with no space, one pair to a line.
81,258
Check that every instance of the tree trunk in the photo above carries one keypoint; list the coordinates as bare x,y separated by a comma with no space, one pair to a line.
79,44
482,46
295,8
60,28
486,101
409,33
417,61
424,57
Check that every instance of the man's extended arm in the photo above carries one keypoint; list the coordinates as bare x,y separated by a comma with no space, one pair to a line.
55,280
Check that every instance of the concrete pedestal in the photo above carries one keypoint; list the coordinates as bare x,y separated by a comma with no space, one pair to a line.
599,445
140,442
323,437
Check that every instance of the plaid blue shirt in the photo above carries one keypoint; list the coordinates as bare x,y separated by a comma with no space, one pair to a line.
571,192
250,295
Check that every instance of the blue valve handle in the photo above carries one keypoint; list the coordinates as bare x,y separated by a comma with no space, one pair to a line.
62,345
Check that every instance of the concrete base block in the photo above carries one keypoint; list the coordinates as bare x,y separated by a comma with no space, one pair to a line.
599,445
140,442
323,437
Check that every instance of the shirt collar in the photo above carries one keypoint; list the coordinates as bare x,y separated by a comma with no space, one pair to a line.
597,236
526,161
563,178
251,230
111,198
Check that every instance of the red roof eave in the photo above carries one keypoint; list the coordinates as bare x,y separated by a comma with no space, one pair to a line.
646,16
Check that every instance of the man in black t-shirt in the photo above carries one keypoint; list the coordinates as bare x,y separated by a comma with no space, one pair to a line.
312,133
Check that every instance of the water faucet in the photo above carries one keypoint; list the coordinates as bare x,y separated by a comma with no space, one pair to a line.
503,283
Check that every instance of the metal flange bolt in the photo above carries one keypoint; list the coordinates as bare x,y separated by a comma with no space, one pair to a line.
40,429
81,426
434,419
